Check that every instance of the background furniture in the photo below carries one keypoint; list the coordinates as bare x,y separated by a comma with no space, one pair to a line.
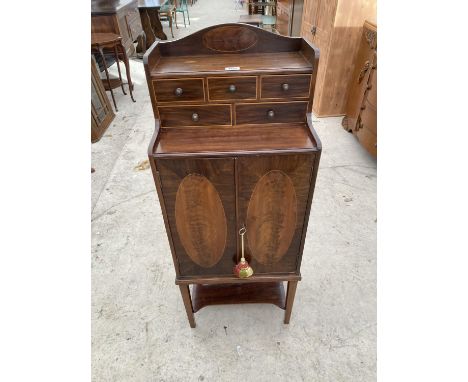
101,110
168,12
262,7
181,7
361,109
117,16
112,43
335,27
152,28
255,19
234,147
289,17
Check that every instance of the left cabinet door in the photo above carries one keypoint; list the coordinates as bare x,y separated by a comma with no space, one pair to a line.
199,197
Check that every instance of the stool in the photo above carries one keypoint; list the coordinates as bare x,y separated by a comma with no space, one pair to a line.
112,42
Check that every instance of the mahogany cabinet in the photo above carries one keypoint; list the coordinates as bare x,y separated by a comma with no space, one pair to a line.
361,109
117,16
101,110
234,148
335,27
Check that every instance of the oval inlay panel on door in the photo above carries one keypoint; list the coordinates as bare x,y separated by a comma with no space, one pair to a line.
271,217
200,220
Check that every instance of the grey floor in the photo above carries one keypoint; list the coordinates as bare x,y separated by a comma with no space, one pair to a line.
139,327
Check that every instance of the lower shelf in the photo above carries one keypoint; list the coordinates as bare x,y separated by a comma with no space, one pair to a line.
220,294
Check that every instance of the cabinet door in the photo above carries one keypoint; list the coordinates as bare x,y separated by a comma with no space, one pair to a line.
273,194
199,198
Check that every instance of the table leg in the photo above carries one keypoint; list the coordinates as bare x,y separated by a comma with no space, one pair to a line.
127,70
292,285
156,24
185,292
101,51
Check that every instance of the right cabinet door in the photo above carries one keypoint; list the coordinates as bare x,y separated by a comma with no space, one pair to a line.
272,200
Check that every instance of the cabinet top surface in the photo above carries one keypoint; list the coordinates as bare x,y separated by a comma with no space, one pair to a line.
242,139
109,6
231,49
241,63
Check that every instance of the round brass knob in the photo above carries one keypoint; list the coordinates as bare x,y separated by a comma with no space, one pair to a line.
232,88
270,114
285,87
195,117
178,92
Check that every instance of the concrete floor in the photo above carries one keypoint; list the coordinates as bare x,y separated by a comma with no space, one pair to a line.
139,326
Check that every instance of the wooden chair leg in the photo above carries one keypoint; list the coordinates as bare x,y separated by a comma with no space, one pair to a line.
101,51
185,292
127,70
292,285
170,25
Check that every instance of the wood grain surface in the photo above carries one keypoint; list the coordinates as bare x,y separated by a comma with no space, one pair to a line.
298,86
175,116
235,141
192,90
200,220
188,222
271,217
283,112
219,88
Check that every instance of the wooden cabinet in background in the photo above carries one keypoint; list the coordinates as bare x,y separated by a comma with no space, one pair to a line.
120,17
289,17
101,110
361,110
335,27
234,148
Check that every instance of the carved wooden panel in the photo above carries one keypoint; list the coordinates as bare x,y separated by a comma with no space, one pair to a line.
272,203
229,39
199,199
271,217
200,220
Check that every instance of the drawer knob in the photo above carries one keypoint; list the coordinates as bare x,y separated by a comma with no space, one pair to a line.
285,87
271,114
232,88
195,117
178,92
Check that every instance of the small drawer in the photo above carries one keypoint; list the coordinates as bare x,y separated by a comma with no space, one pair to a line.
174,116
179,90
274,112
232,88
285,86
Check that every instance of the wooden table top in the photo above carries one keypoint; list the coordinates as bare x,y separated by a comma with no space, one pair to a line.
150,3
104,38
109,6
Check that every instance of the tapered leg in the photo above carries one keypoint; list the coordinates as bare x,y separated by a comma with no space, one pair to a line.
116,53
292,285
101,51
127,70
185,291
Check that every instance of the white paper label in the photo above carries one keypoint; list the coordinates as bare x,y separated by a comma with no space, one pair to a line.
232,68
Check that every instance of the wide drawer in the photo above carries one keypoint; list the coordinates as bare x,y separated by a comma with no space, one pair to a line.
179,90
173,116
273,112
285,86
232,88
